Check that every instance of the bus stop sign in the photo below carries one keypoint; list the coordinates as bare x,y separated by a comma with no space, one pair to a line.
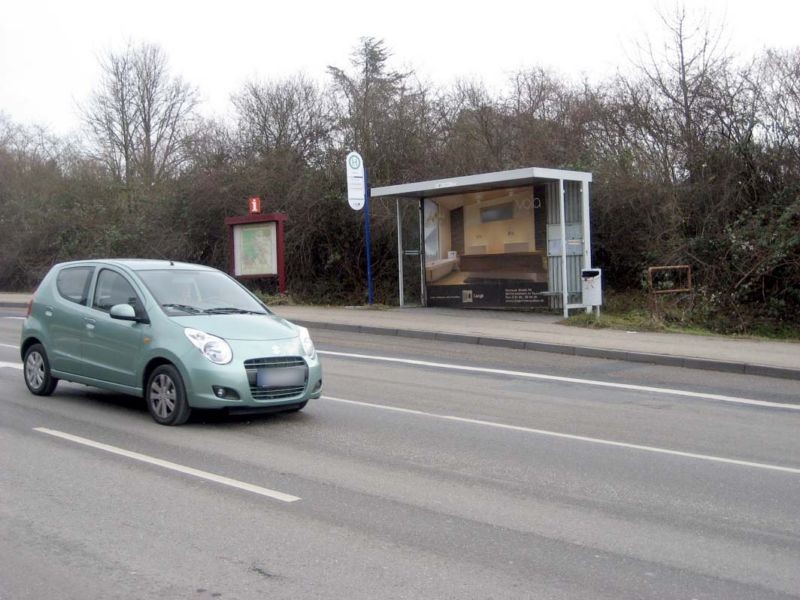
356,182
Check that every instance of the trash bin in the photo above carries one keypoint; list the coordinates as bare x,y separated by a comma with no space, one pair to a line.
591,287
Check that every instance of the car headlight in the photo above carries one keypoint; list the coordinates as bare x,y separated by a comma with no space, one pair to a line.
305,340
213,348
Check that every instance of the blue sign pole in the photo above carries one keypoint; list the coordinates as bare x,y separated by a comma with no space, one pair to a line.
366,225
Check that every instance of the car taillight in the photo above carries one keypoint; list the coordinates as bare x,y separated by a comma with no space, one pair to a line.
30,302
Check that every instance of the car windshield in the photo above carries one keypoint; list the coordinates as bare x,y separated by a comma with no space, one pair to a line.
182,293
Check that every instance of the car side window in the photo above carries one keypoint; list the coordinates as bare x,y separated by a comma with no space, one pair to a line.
112,289
73,283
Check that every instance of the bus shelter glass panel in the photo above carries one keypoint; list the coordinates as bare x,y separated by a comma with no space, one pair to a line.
408,253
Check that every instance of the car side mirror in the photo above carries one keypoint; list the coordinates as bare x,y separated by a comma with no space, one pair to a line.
123,312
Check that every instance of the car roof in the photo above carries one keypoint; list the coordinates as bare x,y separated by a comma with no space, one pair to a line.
140,264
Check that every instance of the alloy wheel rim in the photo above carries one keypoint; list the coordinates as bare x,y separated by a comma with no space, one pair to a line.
34,370
163,395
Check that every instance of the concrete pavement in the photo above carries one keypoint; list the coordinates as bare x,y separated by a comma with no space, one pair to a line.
543,333
9,300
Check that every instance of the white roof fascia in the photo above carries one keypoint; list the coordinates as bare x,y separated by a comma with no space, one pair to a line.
540,173
500,178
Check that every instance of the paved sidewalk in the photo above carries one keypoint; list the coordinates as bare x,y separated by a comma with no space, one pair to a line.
14,300
543,333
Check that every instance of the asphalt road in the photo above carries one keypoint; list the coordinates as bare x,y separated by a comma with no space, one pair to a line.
444,471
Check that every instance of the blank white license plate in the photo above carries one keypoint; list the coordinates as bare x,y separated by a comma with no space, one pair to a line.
281,377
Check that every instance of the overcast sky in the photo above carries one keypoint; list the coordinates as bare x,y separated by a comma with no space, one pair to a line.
49,49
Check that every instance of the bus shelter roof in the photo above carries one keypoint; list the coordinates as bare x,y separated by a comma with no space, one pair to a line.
473,183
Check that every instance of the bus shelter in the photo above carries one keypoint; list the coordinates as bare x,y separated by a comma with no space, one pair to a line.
510,239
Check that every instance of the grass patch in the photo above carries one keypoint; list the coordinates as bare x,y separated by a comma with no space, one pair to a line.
374,306
632,313
277,299
289,300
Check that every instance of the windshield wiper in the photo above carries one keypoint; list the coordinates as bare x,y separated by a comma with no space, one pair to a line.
184,307
231,310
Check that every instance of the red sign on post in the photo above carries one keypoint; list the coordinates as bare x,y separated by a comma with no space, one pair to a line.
255,205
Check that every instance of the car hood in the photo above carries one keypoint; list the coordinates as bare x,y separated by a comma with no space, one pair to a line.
241,327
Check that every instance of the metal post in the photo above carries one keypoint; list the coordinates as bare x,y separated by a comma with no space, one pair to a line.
400,253
366,225
587,237
281,242
422,290
563,214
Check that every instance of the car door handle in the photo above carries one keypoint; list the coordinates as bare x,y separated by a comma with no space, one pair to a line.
89,323
48,311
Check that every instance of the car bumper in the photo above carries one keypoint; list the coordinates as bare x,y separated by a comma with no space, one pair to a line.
204,379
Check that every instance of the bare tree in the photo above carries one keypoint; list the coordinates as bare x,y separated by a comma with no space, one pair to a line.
289,117
112,118
166,105
684,73
139,117
780,86
548,114
477,131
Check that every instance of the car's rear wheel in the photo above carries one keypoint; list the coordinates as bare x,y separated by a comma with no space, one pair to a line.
36,367
166,396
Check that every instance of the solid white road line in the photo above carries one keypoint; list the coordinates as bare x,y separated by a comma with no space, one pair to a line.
570,436
15,318
241,485
10,365
541,376
14,346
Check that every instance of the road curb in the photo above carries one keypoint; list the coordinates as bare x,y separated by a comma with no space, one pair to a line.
704,364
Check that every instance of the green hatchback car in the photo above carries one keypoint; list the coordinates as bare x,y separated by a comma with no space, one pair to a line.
182,336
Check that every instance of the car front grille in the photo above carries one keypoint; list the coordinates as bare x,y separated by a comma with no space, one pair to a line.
253,365
277,393
274,361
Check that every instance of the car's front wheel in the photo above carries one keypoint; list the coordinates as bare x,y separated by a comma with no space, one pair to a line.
38,377
166,396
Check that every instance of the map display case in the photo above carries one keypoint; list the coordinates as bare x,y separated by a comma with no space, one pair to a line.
256,247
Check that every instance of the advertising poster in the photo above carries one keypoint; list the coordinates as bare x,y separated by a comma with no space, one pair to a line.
486,249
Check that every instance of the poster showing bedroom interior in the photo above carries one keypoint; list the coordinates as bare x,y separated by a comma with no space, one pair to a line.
486,248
